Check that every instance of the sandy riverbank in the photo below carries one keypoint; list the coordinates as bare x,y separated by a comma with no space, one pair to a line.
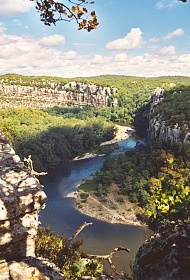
123,133
114,208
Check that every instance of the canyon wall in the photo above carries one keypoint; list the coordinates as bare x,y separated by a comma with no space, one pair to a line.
158,128
75,94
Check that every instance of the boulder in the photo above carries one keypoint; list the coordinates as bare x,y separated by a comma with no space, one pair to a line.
166,255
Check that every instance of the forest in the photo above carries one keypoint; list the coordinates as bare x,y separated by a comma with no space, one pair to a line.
52,139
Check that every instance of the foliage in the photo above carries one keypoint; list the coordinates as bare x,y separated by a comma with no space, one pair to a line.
133,95
52,11
66,256
52,139
174,108
57,134
151,177
170,193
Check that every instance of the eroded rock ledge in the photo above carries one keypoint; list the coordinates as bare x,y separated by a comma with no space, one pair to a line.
21,199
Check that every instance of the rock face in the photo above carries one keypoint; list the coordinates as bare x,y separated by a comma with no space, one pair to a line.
77,94
21,199
159,130
166,255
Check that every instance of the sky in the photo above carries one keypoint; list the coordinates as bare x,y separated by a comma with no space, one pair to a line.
147,38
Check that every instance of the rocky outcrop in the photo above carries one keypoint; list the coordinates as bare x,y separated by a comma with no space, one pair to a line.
159,130
21,199
73,93
166,255
29,268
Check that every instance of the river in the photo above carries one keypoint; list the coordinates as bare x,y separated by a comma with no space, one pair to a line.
62,216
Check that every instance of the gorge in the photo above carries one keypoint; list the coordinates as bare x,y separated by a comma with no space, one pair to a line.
166,158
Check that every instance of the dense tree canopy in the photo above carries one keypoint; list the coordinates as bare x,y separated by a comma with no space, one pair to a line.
52,139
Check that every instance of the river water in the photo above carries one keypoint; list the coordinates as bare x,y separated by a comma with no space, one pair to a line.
62,216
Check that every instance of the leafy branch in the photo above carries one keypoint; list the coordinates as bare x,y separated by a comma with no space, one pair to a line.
52,11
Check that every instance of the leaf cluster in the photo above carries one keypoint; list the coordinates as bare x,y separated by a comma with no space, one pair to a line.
52,11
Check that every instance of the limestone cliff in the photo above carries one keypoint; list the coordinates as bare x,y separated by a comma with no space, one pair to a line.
73,93
159,130
21,199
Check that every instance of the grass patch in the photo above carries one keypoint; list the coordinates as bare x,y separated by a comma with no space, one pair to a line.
88,185
106,149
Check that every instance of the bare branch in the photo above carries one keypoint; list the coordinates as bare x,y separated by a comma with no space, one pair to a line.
30,166
109,258
72,238
98,257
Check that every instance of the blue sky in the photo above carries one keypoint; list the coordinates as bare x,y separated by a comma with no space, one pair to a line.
146,38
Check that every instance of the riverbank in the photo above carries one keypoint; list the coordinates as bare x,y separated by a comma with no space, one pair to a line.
123,133
114,208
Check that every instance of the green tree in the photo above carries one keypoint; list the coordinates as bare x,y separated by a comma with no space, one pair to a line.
170,195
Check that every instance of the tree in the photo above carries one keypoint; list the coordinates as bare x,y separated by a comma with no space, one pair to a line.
52,11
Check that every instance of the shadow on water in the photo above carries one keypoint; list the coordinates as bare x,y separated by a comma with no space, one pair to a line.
61,213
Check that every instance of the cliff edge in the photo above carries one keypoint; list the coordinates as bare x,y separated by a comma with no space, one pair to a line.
21,199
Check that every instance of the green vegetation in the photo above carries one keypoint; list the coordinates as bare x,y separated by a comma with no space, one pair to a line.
133,93
66,255
56,134
155,176
52,139
175,107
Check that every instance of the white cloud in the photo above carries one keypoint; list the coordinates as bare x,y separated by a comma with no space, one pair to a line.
16,22
24,55
2,28
98,59
166,4
169,50
160,5
121,57
10,7
132,40
52,40
177,32
83,44
70,55
154,40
